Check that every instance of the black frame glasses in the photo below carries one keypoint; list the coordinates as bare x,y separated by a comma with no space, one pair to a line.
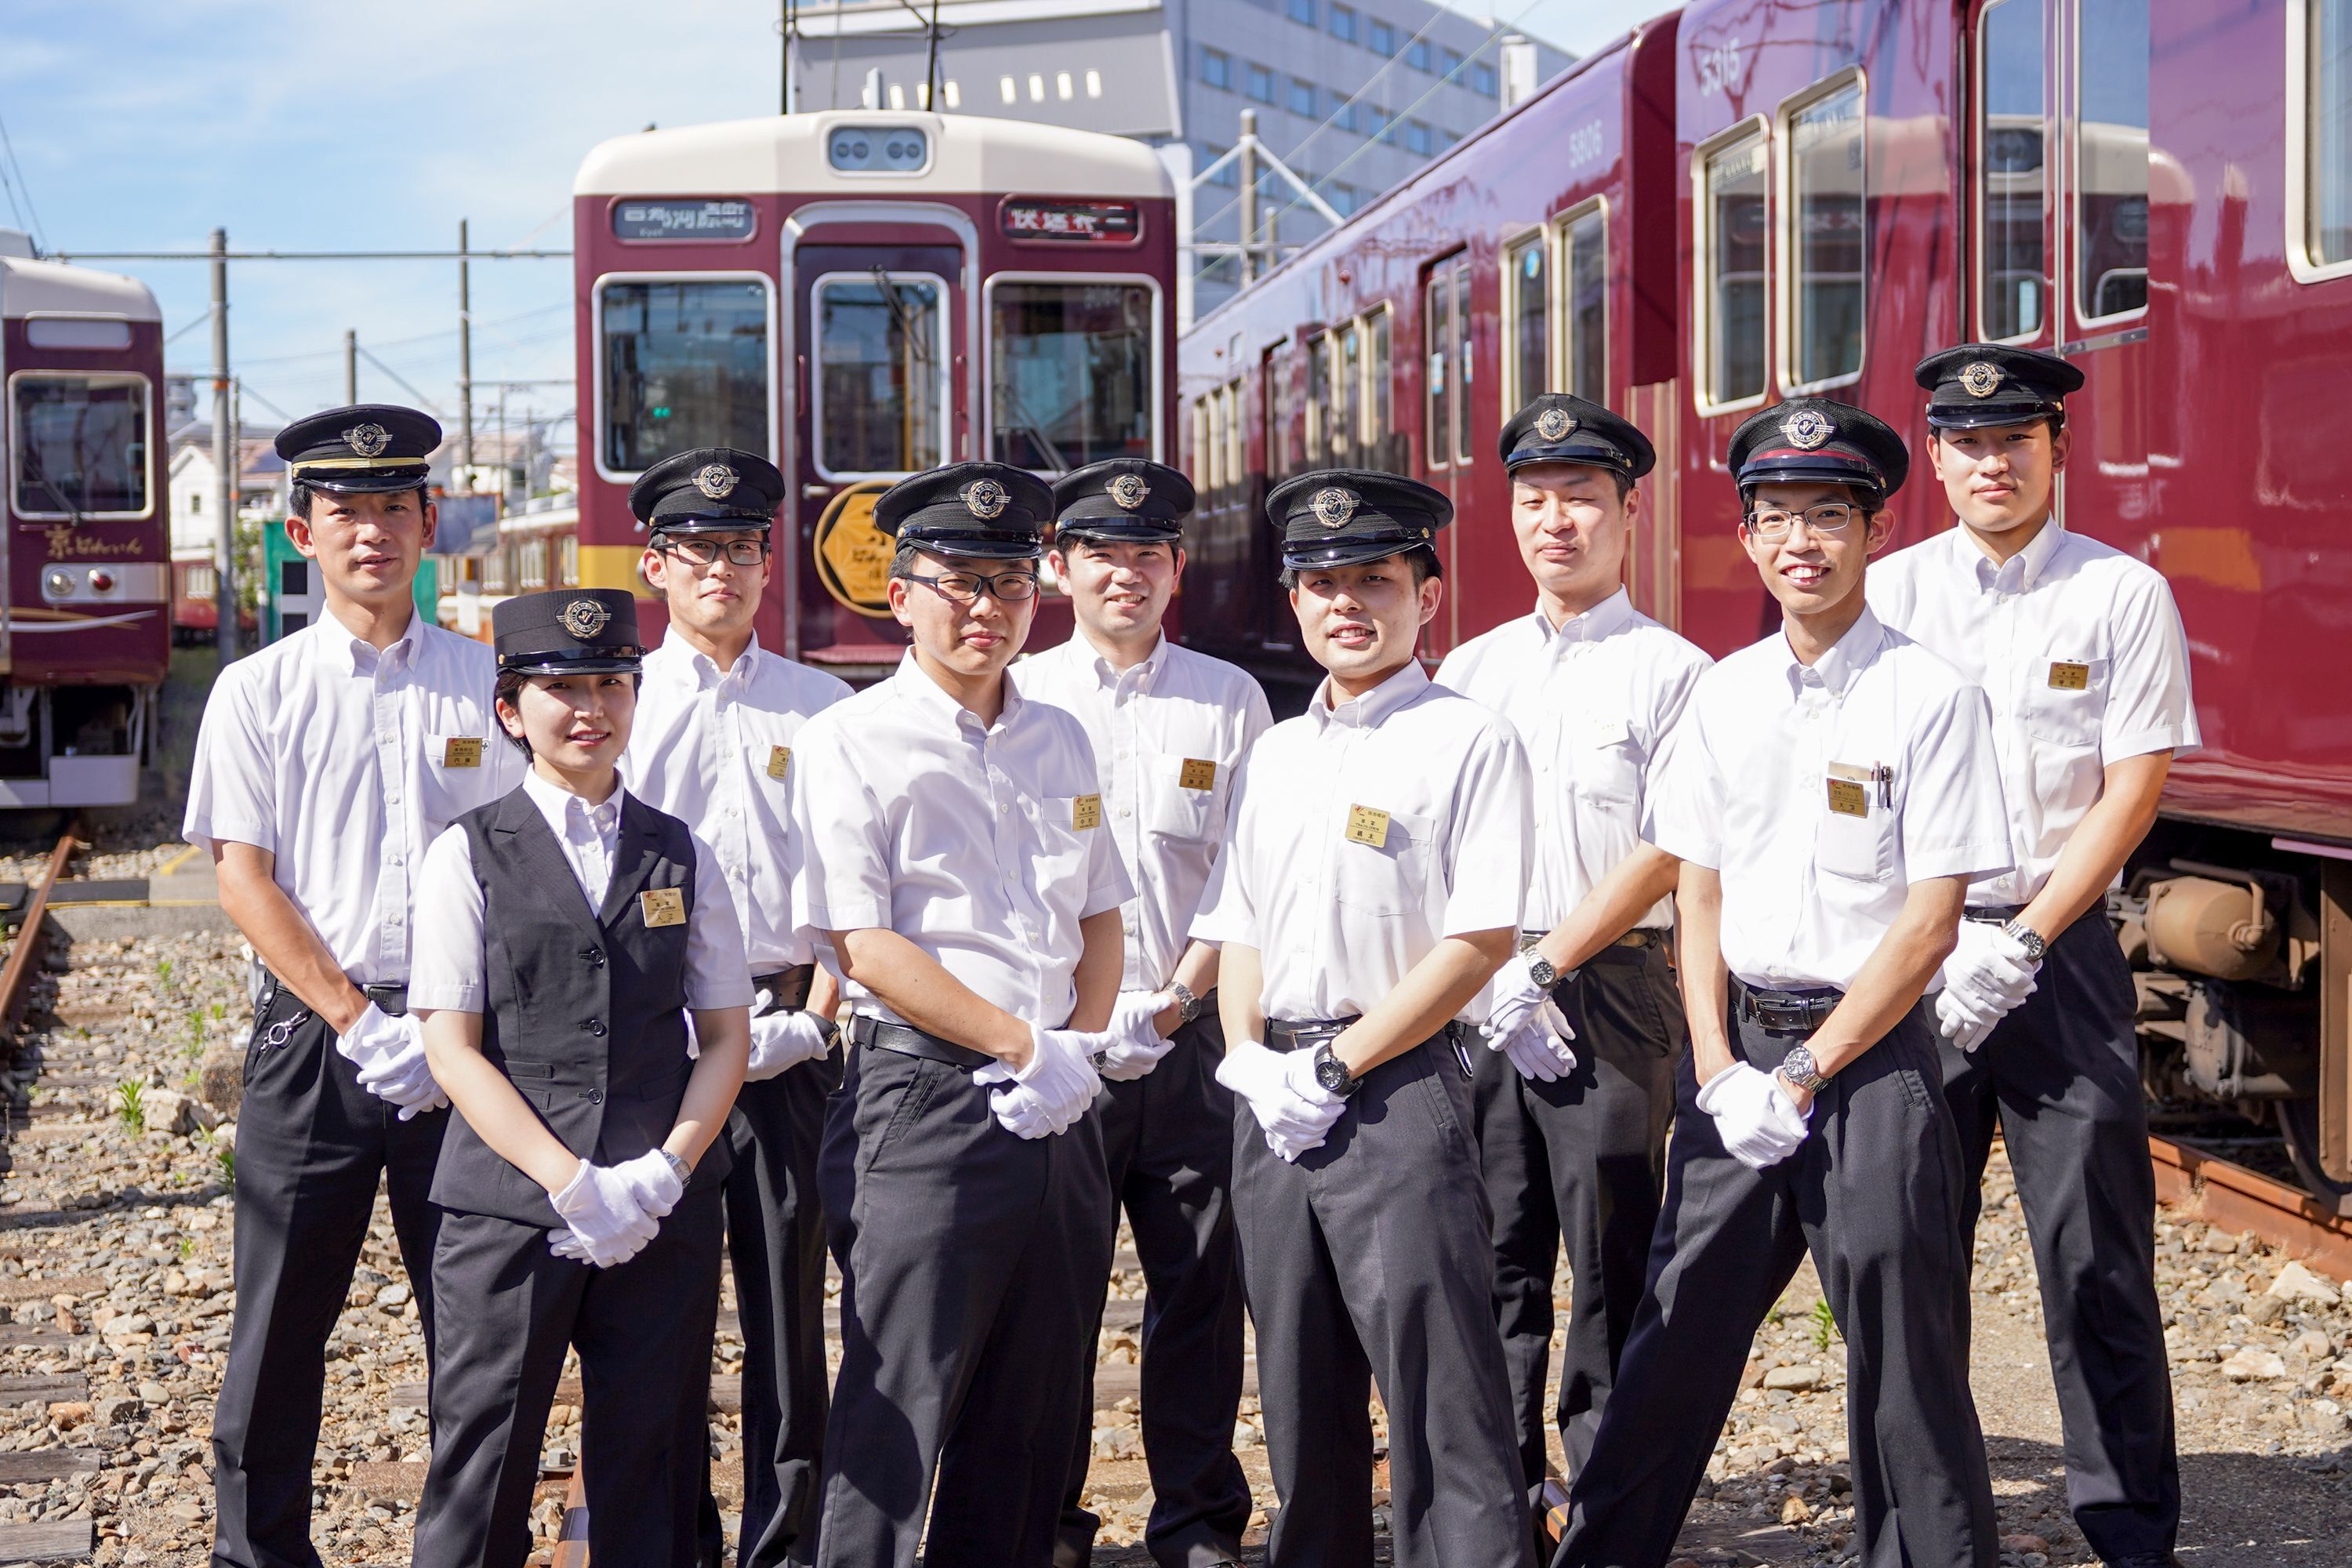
970,585
1780,523
702,551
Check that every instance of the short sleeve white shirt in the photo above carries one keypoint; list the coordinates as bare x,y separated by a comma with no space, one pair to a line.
714,749
981,844
1821,794
344,763
1595,701
1365,833
1167,735
2080,648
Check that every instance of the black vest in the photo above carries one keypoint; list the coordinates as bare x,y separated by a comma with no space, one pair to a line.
583,1013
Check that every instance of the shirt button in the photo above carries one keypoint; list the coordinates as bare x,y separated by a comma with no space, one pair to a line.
596,1097
594,1027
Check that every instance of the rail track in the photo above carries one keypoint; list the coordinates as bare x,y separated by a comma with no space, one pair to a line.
2233,1198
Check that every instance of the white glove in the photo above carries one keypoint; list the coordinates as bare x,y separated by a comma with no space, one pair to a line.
651,1183
1757,1124
1021,1112
782,1040
1516,997
389,1055
1538,1047
605,1222
1990,967
1136,1043
1294,1121
1061,1071
1962,1020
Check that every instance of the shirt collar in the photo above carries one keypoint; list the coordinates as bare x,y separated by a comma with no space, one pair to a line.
1594,624
1367,711
1139,678
1847,658
917,686
702,667
353,655
561,807
2020,571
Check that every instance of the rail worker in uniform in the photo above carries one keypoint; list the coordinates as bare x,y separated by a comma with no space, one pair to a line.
1168,727
1369,887
574,927
325,765
966,890
2081,650
1572,1137
1834,787
716,725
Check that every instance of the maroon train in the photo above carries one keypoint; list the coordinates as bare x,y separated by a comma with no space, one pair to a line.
1748,199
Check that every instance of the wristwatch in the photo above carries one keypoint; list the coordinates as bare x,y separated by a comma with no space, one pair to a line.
1332,1073
1541,969
1186,1002
2033,942
679,1168
1798,1067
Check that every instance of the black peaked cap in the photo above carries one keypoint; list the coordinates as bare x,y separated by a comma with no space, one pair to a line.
1344,517
369,449
989,511
568,631
710,490
1992,383
1559,427
1132,498
1816,441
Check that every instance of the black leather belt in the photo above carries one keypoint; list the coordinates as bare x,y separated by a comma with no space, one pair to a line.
912,1042
391,1000
1788,1012
1301,1034
1993,914
787,988
1640,936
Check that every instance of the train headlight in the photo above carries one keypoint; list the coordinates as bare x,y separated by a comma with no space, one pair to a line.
58,583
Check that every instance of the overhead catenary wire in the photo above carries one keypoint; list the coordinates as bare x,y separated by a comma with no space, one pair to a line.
31,218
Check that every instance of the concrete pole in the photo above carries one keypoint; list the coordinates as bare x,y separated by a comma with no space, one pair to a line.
1249,196
224,455
465,365
351,367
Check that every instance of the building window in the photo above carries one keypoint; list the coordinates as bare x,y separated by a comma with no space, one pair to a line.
1381,39
1343,23
1452,137
1453,64
1483,82
1392,128
1731,268
2111,155
1342,112
1826,243
1094,87
1527,330
1416,54
1216,70
1417,137
1343,197
1260,84
1302,12
1010,88
2012,136
1302,98
1229,176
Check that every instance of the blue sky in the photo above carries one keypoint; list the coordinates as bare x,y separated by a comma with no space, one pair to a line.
297,124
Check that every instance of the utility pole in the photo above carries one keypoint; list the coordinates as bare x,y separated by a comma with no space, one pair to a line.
351,367
224,453
465,362
1249,196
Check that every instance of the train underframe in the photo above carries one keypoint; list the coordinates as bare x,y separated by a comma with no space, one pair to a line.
74,745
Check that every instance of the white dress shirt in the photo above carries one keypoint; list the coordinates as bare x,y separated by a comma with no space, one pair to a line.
344,763
1435,789
2081,650
1595,701
1167,737
714,749
982,844
1821,794
449,964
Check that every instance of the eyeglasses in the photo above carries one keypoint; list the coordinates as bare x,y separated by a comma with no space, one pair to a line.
705,551
964,587
1832,518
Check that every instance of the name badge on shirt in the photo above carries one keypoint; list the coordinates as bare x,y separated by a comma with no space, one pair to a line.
462,751
1603,732
2066,677
780,761
1197,775
663,906
1368,825
1849,789
1086,811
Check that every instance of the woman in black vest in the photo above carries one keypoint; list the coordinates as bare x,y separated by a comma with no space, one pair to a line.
563,933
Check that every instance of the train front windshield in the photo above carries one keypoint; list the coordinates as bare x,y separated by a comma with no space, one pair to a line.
1071,376
82,444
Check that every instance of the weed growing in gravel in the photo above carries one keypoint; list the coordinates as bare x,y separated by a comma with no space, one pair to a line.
1824,1325
164,973
127,1095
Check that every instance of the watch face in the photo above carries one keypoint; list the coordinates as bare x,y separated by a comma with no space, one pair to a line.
1331,1072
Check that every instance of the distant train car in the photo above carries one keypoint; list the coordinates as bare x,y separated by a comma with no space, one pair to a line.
858,296
88,627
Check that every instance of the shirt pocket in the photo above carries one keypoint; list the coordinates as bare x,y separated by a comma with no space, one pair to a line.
1066,826
1175,812
459,766
1607,758
1387,878
1855,845
2065,701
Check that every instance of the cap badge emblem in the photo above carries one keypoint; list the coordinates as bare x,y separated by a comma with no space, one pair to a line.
715,480
1808,429
583,618
367,440
984,498
1555,424
1979,379
1334,506
1128,490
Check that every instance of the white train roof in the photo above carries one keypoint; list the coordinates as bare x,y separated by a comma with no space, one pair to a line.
971,154
30,288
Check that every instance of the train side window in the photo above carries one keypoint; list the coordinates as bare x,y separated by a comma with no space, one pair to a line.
1584,302
1348,404
1204,470
1437,361
2319,131
1320,435
1072,366
1462,360
1230,405
2111,159
685,364
881,373
1527,316
80,445
1379,418
1730,216
1827,211
1274,411
2013,177
568,562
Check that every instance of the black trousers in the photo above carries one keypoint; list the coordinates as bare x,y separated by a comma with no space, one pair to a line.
1581,1159
775,1242
1368,1261
1872,1193
963,1250
311,1147
511,1309
2060,1078
1167,1142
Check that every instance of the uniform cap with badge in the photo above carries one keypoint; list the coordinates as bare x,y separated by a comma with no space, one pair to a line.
988,512
568,631
1129,500
369,449
1819,441
1977,384
1345,517
710,490
1559,427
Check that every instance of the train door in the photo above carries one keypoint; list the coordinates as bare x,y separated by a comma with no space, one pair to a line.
880,341
1446,411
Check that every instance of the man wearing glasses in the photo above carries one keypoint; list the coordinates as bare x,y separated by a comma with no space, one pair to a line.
1832,791
961,881
717,720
